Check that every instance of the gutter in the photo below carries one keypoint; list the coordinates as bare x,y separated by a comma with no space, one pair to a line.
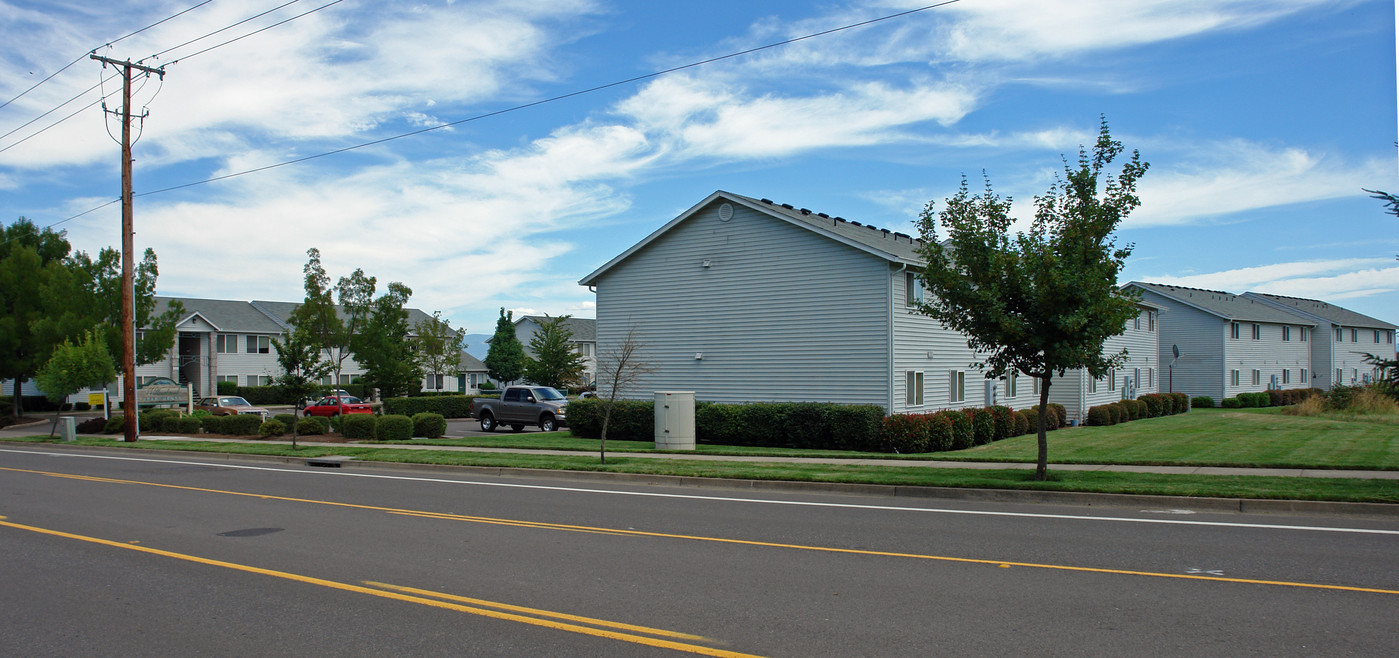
890,382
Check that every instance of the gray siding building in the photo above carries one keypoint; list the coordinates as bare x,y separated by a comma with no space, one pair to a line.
1340,339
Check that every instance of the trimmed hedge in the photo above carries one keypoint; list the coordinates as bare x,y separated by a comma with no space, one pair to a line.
272,427
983,426
908,433
1202,402
429,425
242,424
394,427
1098,417
115,423
1004,422
226,388
1231,403
963,434
448,406
358,426
310,426
812,425
1023,421
95,426
212,424
288,420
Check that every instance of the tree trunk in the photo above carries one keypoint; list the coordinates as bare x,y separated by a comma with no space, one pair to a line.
1042,463
56,415
295,416
606,416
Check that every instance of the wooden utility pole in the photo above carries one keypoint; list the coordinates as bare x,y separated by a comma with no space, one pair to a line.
128,294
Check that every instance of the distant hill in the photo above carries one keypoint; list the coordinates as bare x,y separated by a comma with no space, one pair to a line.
475,344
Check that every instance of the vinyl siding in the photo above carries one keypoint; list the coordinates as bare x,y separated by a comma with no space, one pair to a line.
780,314
1141,345
1269,355
922,344
1199,335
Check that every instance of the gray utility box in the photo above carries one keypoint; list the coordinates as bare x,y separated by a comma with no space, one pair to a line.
675,420
68,428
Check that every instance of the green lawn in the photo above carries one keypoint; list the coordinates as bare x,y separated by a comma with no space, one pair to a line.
1332,489
1202,437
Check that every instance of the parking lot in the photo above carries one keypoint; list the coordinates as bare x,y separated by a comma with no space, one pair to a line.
464,427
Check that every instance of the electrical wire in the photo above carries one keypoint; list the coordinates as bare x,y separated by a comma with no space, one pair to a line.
282,22
222,29
109,43
508,109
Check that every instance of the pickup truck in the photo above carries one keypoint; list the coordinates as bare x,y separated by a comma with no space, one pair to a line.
522,405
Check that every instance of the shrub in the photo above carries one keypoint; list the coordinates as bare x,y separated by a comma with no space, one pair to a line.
1114,413
1022,423
983,426
1141,408
288,420
1004,422
1154,404
1231,403
151,420
310,426
961,424
166,423
227,388
906,433
358,426
272,427
1098,416
1202,402
242,424
448,406
719,424
212,424
92,426
115,423
429,425
187,425
1340,395
1275,397
1129,410
1182,402
817,425
394,427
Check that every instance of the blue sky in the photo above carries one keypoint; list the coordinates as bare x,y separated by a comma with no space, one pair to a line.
1262,121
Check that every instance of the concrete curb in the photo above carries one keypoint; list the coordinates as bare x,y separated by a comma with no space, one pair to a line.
1073,498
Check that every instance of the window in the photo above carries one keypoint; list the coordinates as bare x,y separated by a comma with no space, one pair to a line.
327,380
1035,386
1389,337
349,379
434,382
1377,336
1093,385
913,291
1257,377
1303,378
1286,376
1137,322
1137,377
1339,335
1010,384
1233,378
1354,335
957,386
1151,320
1234,330
259,380
1112,380
1286,333
259,344
226,343
1339,376
1302,334
226,378
1257,332
913,391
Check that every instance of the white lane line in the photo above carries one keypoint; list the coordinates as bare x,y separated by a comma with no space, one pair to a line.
729,499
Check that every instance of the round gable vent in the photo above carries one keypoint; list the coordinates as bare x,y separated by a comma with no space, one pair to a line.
726,212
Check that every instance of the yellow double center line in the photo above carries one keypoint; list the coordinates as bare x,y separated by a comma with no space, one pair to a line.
724,540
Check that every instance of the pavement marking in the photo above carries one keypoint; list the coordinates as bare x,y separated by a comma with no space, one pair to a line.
542,525
448,605
732,499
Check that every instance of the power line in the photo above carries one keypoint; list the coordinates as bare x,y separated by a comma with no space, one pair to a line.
551,99
282,22
222,29
516,107
109,43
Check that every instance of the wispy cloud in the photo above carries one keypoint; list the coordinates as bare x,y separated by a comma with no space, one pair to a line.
1347,278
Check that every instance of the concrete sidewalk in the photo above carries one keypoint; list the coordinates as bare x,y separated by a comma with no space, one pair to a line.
31,429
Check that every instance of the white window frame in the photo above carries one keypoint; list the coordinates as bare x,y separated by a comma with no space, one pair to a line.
913,388
1233,378
913,289
957,386
1234,330
1286,333
1011,384
1257,377
1258,332
226,343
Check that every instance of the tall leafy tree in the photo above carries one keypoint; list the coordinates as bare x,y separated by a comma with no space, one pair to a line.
100,284
384,348
555,363
439,346
73,367
28,257
317,316
303,364
356,295
1041,302
505,359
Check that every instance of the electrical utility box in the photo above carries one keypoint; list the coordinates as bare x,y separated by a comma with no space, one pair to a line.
675,420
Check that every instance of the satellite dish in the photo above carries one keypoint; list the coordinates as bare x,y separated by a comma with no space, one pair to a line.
1175,351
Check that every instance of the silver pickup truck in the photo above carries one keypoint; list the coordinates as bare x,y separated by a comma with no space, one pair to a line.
522,405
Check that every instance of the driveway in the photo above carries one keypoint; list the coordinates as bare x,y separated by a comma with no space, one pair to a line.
469,427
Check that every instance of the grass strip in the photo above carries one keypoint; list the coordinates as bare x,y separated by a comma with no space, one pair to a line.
1242,486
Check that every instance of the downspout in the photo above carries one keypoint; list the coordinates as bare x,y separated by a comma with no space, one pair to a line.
898,277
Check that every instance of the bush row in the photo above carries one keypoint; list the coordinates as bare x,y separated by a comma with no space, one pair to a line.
1150,405
813,425
448,406
357,426
1278,398
38,403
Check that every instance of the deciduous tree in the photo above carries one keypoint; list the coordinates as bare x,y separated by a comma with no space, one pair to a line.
383,347
555,363
1041,302
439,346
73,367
303,364
620,366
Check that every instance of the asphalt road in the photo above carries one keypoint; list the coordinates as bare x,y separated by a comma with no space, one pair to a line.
131,554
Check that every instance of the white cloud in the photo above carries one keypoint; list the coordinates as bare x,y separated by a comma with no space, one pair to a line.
1237,176
1348,278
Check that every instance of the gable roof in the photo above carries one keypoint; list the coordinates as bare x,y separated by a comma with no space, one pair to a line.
1225,305
583,329
890,245
281,312
470,363
223,314
1323,311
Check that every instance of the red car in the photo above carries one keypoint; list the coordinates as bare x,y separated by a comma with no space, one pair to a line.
334,406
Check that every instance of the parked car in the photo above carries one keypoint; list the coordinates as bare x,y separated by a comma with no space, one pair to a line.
335,405
229,405
522,405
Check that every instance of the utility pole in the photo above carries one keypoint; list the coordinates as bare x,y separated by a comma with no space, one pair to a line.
128,295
